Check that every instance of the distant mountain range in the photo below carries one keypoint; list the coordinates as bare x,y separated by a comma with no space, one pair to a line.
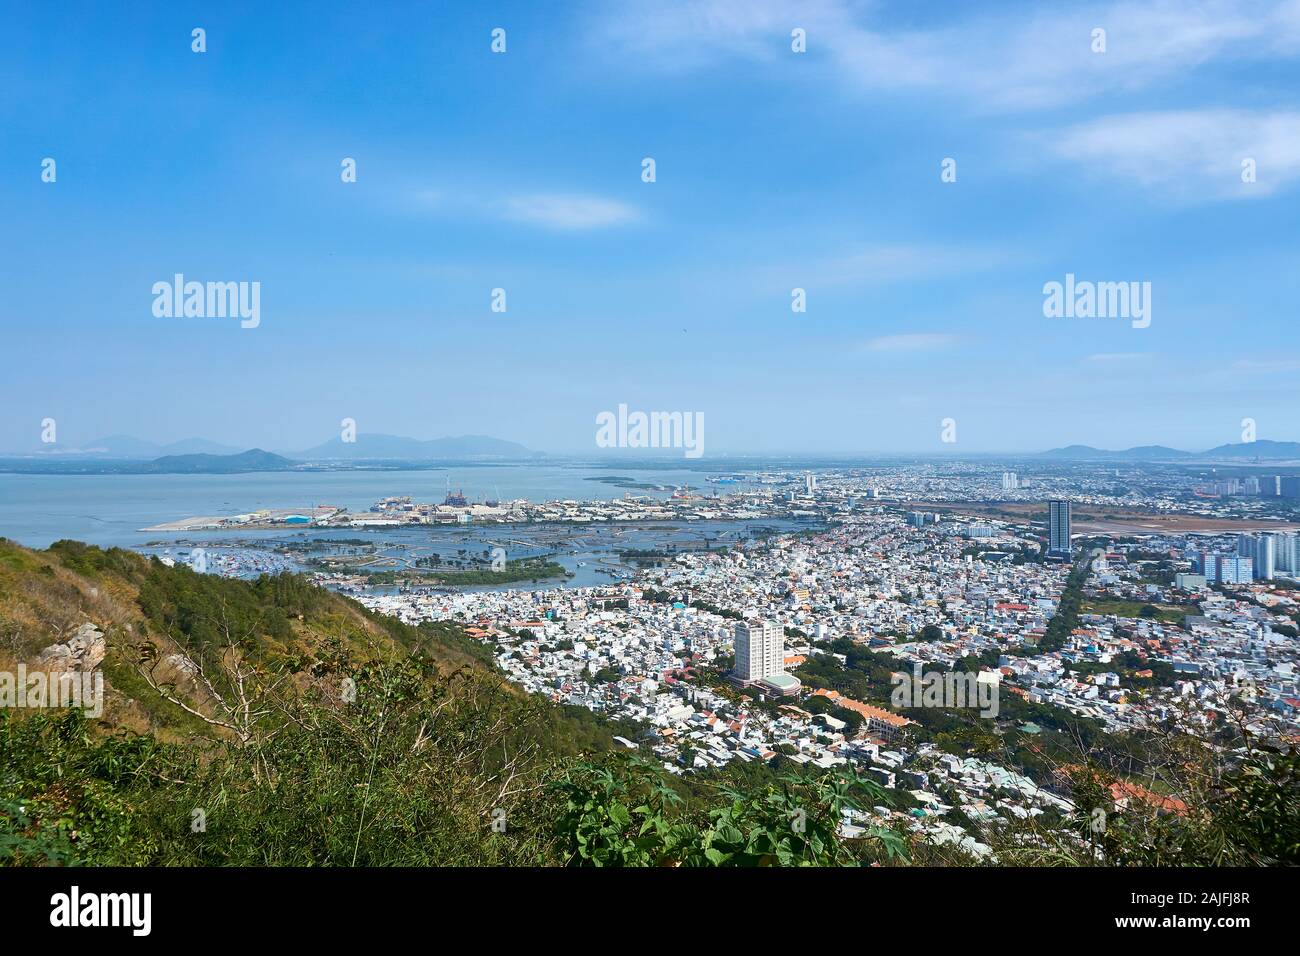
394,447
125,455
201,464
200,455
1141,453
126,446
1263,450
252,460
388,447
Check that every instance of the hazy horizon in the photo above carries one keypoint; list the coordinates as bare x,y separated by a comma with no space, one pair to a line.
953,451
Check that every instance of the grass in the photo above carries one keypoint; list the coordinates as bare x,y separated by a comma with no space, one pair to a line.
1168,614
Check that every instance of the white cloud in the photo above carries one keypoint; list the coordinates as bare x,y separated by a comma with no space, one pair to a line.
569,212
1003,60
671,34
1267,367
1190,153
911,342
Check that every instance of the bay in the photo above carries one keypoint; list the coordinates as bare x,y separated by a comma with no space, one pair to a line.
109,510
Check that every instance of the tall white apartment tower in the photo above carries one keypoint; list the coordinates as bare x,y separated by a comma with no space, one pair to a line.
1288,552
1058,527
1266,557
760,650
1262,550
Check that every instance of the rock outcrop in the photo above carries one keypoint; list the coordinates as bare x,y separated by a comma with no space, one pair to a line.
84,651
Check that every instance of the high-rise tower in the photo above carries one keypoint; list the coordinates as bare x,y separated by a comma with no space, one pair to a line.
1058,528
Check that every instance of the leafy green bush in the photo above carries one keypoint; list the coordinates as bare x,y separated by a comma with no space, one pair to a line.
67,795
624,813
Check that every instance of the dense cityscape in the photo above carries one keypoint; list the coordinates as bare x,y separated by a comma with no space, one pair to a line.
1168,623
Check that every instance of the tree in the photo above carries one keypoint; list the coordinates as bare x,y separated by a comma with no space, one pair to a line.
850,717
238,693
818,704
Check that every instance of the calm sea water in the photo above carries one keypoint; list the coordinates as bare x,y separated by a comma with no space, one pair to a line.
109,510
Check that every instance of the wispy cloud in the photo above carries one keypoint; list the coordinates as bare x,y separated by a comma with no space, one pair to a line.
569,212
904,262
1007,60
1267,367
911,342
1189,153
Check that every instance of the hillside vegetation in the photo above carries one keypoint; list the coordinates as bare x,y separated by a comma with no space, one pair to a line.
274,723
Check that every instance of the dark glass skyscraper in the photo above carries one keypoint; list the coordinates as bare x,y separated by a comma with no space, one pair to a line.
1058,528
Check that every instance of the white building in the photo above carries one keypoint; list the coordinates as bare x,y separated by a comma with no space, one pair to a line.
1261,551
760,650
1287,552
760,658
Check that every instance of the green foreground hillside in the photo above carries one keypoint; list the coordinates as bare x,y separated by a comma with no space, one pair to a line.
275,723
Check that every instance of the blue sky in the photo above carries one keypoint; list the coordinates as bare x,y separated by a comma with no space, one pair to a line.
775,170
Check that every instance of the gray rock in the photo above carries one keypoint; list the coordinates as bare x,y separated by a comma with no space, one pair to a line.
58,654
85,650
